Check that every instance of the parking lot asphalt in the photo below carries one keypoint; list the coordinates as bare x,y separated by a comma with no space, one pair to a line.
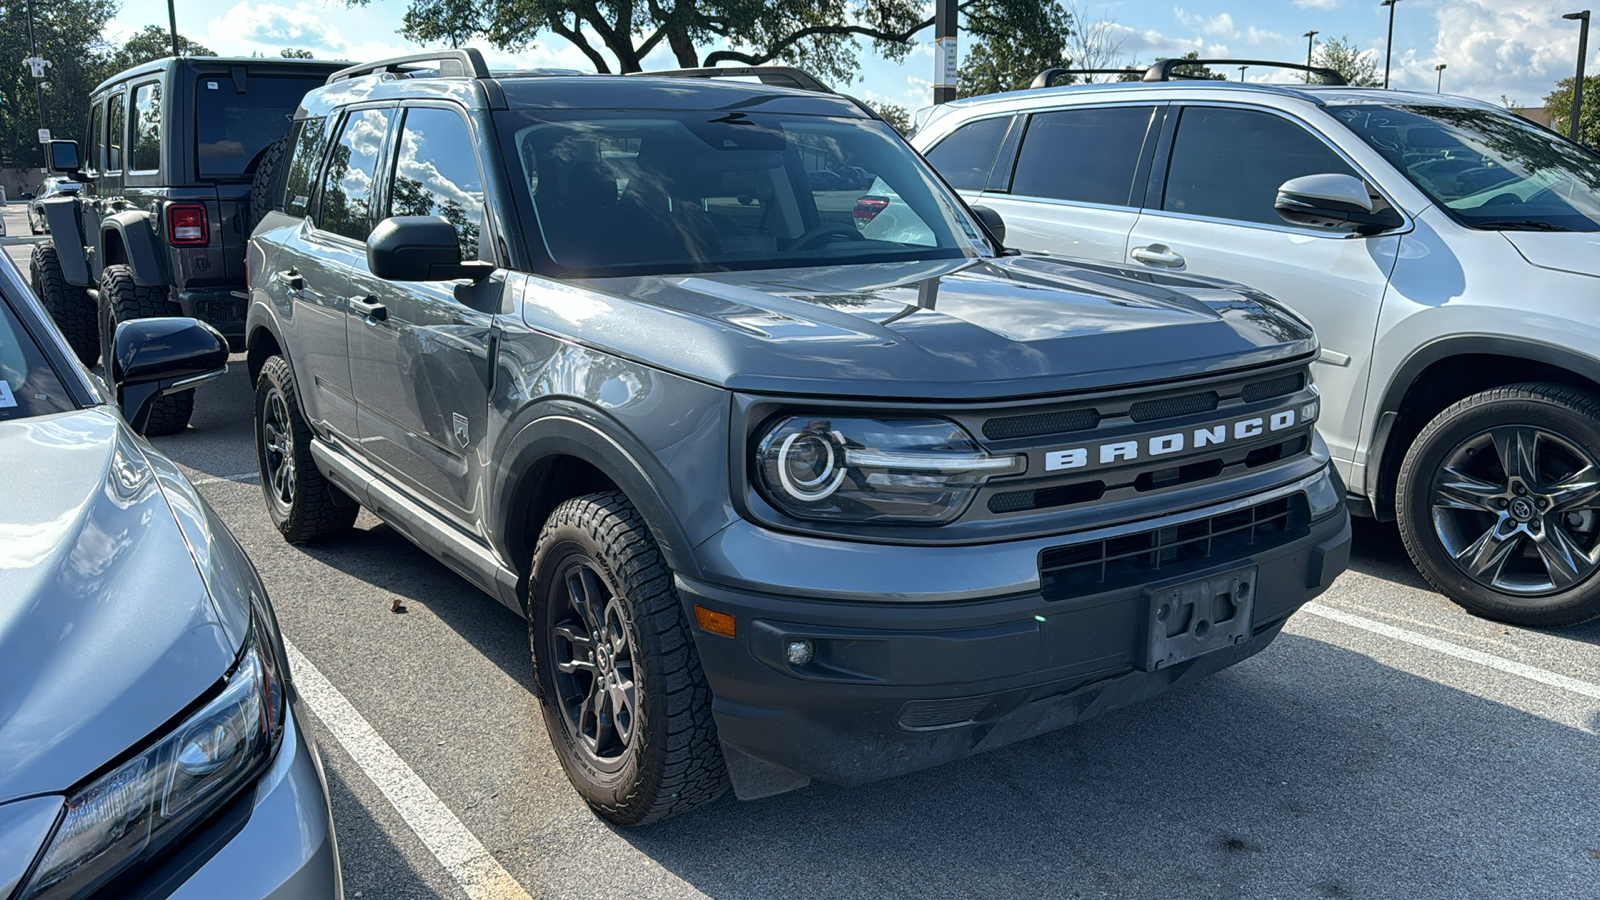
1387,745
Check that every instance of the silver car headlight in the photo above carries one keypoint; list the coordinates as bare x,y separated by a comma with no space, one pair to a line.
136,810
902,471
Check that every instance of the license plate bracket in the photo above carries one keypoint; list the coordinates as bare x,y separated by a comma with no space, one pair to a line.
1191,618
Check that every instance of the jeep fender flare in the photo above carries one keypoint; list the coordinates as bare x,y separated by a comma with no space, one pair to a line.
564,428
135,234
66,233
1444,348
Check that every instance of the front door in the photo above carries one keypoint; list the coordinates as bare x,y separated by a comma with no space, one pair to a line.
1216,218
421,354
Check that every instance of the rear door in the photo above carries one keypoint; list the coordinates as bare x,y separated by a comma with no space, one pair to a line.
1210,212
1078,177
421,360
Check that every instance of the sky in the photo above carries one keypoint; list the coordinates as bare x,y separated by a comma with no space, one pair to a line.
1516,49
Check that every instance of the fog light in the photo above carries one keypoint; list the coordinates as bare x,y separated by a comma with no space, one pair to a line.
799,652
1310,411
1323,496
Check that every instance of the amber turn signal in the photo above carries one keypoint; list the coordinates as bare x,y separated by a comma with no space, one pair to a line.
713,621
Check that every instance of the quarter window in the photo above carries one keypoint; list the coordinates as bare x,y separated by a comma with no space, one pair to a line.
310,142
116,131
347,186
436,174
1083,155
95,143
1229,163
146,129
966,156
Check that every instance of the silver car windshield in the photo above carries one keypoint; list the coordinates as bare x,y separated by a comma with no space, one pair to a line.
28,384
1487,169
663,192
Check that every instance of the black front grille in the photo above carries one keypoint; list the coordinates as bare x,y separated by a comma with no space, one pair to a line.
1170,407
1009,427
1132,559
1272,387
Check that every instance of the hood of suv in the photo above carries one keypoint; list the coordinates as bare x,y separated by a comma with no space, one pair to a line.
1563,251
964,329
107,630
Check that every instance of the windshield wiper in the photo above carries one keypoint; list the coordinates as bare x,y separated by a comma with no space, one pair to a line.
1519,225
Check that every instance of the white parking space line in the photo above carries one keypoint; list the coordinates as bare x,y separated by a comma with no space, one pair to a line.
214,479
1487,660
466,860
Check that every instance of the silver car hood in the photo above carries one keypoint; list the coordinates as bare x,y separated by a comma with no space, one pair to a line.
107,630
1563,251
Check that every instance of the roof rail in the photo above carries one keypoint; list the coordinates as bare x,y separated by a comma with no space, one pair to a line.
1048,77
1163,70
464,63
777,76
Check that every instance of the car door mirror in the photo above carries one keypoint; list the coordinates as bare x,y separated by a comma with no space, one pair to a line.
154,357
27,195
992,221
1333,201
64,157
420,248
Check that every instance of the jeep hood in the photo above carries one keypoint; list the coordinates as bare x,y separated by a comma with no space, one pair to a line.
1562,251
962,329
107,630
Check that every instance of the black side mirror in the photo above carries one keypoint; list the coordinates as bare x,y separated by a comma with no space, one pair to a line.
64,157
1335,202
154,357
991,220
420,248
27,195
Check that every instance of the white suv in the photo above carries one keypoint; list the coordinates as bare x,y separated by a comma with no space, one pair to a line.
1445,251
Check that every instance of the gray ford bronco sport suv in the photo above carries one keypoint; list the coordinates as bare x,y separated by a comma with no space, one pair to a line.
172,154
795,472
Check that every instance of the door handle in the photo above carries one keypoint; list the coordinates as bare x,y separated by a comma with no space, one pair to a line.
369,307
1157,255
290,279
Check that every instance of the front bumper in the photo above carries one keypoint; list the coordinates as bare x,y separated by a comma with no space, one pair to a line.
898,685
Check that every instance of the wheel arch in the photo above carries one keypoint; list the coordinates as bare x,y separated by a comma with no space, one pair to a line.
129,238
1444,371
261,344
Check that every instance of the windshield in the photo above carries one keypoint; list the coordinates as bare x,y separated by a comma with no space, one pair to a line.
233,126
675,192
1488,169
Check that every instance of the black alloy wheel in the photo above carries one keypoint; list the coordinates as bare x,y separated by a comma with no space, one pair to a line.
1499,504
304,505
593,656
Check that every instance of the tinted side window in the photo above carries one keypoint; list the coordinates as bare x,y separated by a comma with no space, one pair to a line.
116,132
146,128
347,185
310,141
966,156
436,174
232,127
1086,155
94,140
1229,163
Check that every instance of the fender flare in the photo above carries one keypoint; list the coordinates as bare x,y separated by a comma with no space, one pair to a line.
564,428
145,255
61,214
1444,348
259,317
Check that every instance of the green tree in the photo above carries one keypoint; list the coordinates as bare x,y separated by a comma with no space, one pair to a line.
296,53
1011,44
894,114
1359,67
68,35
149,43
1558,106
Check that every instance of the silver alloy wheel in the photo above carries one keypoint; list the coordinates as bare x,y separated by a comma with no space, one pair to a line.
278,447
594,664
1515,508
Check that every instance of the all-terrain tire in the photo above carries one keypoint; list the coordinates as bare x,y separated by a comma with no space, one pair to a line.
70,305
304,505
121,300
1455,488
672,762
264,180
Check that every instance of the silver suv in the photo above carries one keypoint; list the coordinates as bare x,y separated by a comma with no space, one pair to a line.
1444,250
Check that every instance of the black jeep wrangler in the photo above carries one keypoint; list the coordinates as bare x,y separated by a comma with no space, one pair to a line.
173,150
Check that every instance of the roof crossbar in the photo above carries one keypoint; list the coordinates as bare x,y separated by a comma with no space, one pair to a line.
777,76
1165,69
464,63
1049,77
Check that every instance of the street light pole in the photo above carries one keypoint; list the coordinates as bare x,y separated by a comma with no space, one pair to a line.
944,44
172,22
1311,41
1439,87
38,80
1577,83
1388,48
1241,73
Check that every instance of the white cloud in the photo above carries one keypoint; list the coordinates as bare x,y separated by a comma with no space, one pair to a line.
1492,48
1318,4
1257,37
1219,25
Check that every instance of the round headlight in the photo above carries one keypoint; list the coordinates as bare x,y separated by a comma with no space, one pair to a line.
810,466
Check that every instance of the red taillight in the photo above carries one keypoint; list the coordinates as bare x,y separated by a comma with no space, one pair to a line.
186,224
867,208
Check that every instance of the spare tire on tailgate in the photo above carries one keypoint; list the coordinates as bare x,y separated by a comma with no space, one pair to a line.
266,177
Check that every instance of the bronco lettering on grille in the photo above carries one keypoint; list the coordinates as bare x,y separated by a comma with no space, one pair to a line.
1134,449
